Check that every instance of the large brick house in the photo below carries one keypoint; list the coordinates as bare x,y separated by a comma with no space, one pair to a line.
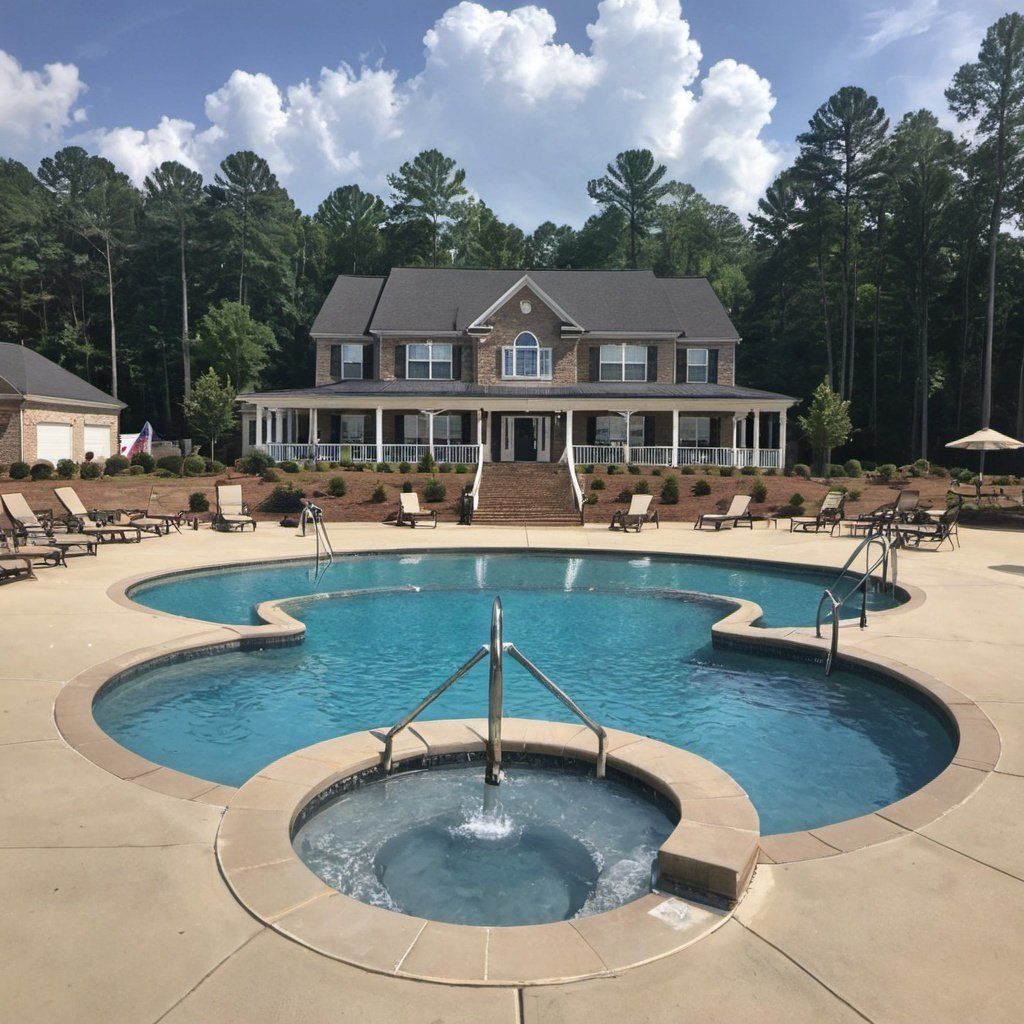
48,413
543,366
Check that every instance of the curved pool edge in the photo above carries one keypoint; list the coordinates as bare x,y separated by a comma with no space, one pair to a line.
713,850
977,752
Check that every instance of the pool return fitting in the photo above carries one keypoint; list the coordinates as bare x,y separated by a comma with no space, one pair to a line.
495,650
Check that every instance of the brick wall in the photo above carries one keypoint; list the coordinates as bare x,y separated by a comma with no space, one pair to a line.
323,363
36,413
726,360
10,434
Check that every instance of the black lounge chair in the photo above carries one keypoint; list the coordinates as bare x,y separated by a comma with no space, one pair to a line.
935,531
828,517
638,513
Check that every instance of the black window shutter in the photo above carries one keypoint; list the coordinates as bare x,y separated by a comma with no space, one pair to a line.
456,362
368,362
680,365
712,365
496,438
500,371
399,429
716,432
466,437
591,429
400,362
336,362
649,428
652,362
595,364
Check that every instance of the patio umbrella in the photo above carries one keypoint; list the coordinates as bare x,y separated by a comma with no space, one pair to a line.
986,440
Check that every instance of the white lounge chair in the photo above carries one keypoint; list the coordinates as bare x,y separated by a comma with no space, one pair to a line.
232,511
93,524
28,526
410,513
738,513
638,513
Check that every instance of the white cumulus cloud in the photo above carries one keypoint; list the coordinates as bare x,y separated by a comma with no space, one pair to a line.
531,119
35,106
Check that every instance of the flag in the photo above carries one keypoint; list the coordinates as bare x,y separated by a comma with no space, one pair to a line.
142,442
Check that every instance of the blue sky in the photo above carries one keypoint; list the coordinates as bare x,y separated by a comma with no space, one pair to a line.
531,102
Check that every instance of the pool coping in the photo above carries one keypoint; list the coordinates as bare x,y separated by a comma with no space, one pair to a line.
710,855
976,755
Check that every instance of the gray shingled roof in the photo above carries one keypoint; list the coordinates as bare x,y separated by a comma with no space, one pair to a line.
464,389
449,299
28,373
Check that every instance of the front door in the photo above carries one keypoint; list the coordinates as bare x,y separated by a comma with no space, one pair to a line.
525,439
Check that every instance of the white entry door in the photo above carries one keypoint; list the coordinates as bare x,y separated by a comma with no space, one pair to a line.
53,441
97,441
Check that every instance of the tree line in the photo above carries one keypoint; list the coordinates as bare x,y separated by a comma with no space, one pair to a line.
883,260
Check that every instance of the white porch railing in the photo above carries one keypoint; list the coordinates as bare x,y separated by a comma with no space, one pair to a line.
289,452
598,454
661,455
468,454
651,455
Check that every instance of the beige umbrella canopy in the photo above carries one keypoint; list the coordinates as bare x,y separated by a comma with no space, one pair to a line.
986,440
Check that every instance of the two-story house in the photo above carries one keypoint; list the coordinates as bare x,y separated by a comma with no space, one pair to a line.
543,366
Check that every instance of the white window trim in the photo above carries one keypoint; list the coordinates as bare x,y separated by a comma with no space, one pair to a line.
509,360
622,364
431,360
361,439
343,361
693,364
694,439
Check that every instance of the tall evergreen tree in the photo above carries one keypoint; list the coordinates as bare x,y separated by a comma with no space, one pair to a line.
427,189
352,220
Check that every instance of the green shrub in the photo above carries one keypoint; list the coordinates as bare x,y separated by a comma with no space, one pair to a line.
321,467
633,469
670,491
270,476
1002,481
713,471
749,471
759,492
588,468
461,467
404,467
66,468
41,471
771,472
886,471
336,487
284,499
407,487
700,489
160,474
195,465
145,460
796,500
345,454
940,472
592,499
92,471
136,471
854,493
115,465
215,466
920,467
288,466
348,464
836,471
961,475
655,472
445,467
802,469
726,470
687,470
172,463
19,470
642,487
852,467
426,463
380,495
597,484
253,464
198,502
434,491
624,495
612,469
383,467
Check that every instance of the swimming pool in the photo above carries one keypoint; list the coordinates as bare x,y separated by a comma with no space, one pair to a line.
809,749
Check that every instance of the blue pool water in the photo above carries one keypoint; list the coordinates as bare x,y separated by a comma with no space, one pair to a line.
808,749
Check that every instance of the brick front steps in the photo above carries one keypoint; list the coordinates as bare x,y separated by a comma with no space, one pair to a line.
538,493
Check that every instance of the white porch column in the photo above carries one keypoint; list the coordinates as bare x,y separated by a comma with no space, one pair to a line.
735,437
259,426
570,454
430,433
275,426
379,432
675,438
480,431
626,455
490,436
782,439
757,438
313,430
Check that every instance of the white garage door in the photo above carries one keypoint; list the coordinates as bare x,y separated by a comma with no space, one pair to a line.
53,441
97,441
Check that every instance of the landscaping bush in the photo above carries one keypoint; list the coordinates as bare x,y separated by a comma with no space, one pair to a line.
854,493
961,475
886,471
624,495
597,484
115,465
771,472
198,502
633,469
172,463
404,467
136,471
270,476
42,471
656,472
145,460
194,465
999,481
920,468
407,487
345,454
726,470
796,500
588,468
802,469
383,467
426,463
612,469
321,467
215,466
434,491
642,487
348,464
445,467
835,471
336,487
284,499
687,470
92,471
940,472
288,466
700,489
253,464
380,495
460,467
66,468
592,499
670,491
749,471
19,470
759,492
852,467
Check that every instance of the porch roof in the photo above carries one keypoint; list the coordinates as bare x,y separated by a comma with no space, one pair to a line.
465,389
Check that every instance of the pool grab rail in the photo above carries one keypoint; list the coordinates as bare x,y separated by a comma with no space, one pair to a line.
494,650
835,604
324,548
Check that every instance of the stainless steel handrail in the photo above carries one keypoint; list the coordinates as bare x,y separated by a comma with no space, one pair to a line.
494,651
314,513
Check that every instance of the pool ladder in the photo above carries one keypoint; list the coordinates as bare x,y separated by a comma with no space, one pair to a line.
885,560
324,549
495,650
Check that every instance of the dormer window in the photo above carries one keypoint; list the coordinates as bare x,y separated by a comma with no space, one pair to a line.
431,360
525,359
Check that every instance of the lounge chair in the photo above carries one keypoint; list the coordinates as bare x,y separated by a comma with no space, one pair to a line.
905,505
638,513
29,527
51,553
829,515
937,531
738,513
94,524
15,568
410,513
232,513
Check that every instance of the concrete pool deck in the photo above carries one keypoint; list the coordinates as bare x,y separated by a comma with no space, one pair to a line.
114,910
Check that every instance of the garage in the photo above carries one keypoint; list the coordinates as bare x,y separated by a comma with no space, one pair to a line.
53,441
97,441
